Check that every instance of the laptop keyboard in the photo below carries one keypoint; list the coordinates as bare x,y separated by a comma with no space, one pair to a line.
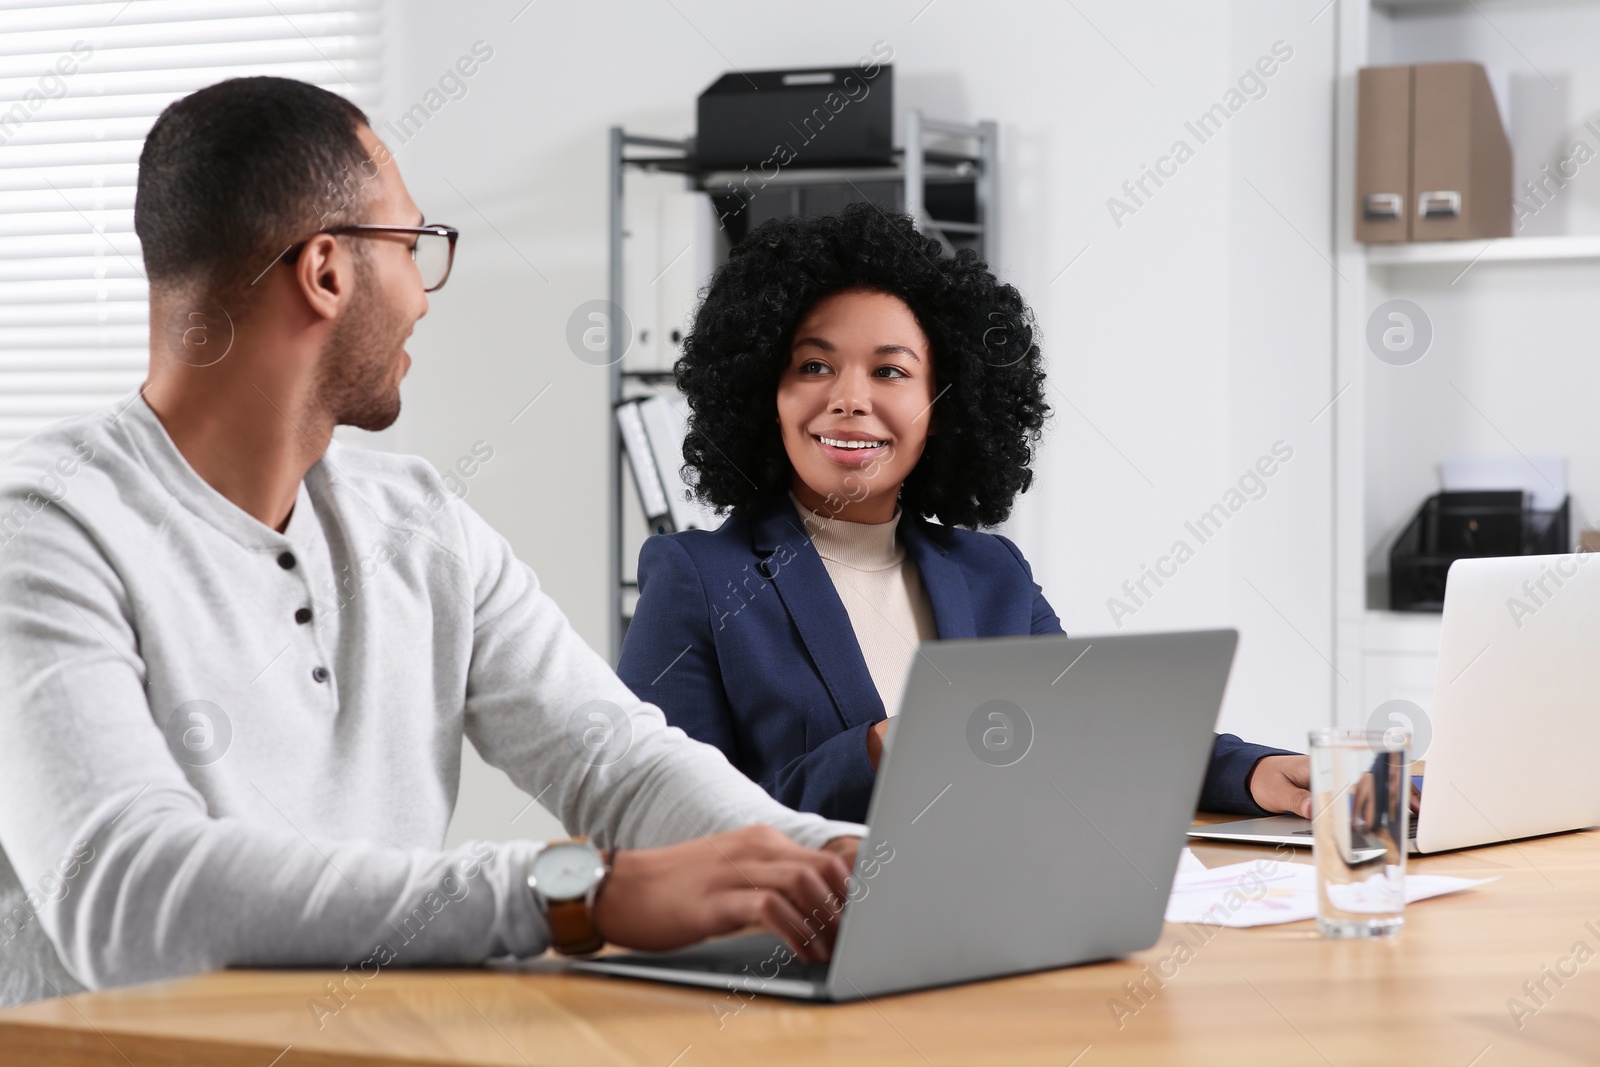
769,967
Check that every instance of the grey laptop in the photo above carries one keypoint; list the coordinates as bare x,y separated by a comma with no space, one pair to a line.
1028,815
1513,722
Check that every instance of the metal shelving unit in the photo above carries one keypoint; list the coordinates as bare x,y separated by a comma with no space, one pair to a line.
917,167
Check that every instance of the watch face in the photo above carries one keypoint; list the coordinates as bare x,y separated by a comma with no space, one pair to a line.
566,871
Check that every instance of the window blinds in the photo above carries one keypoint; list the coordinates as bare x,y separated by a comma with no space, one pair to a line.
80,85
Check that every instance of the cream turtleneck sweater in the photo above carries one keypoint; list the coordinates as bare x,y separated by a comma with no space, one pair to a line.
881,591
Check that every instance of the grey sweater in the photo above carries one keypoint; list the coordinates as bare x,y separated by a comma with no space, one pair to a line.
222,745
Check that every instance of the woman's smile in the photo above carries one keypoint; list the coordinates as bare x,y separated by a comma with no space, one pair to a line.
851,449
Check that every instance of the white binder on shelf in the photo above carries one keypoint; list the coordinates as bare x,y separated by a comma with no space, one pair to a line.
652,496
652,432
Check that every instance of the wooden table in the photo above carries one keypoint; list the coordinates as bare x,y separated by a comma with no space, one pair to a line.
1440,994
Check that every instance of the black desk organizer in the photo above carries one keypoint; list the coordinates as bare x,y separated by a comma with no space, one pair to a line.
1452,526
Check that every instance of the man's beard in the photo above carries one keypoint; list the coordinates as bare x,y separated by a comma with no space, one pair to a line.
358,384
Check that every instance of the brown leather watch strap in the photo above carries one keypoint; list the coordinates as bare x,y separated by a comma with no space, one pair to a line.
572,929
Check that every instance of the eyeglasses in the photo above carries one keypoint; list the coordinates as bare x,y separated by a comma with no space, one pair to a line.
434,251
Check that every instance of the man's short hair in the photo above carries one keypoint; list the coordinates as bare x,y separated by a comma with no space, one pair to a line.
232,175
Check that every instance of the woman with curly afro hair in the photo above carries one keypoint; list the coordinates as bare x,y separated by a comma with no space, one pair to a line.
861,404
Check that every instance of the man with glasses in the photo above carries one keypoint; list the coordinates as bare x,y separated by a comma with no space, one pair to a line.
207,760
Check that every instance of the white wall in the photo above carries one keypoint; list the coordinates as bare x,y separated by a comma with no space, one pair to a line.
1197,338
1183,343
1280,341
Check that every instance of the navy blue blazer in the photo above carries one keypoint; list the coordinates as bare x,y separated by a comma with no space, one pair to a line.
740,638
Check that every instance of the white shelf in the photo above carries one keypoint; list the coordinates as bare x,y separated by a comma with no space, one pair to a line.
1428,7
1499,250
1382,655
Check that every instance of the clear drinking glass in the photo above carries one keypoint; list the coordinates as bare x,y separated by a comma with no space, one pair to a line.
1360,818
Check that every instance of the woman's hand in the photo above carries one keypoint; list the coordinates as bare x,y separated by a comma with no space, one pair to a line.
665,898
875,742
1282,783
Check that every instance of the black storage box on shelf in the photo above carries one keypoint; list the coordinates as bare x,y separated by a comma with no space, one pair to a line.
1452,526
820,116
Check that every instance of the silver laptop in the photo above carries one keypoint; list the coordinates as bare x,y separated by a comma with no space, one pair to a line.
1516,710
1028,815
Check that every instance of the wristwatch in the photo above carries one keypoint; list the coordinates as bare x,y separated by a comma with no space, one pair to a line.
565,877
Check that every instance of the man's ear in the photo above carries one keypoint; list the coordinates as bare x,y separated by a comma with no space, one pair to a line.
321,273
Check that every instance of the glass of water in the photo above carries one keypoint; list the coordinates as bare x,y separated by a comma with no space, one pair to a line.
1360,819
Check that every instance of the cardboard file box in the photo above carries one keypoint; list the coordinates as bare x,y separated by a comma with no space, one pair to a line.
1432,159
1383,153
